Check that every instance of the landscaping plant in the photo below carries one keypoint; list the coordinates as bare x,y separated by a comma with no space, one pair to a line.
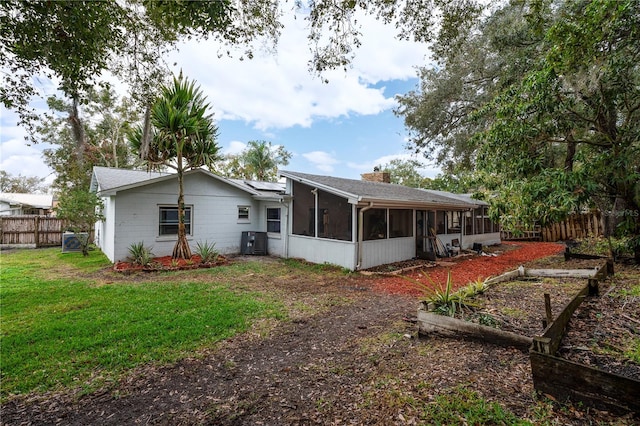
140,254
207,251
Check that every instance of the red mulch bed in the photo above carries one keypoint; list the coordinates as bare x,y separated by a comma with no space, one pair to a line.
166,263
464,270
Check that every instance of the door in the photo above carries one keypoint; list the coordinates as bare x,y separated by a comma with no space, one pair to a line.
424,240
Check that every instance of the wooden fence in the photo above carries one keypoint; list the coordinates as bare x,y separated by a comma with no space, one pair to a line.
575,226
31,231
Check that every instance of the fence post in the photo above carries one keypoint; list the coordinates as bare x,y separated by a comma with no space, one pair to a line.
36,231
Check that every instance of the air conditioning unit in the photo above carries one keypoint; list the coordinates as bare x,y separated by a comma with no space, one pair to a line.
71,242
253,243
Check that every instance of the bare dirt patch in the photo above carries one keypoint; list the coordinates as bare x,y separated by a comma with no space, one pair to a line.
349,355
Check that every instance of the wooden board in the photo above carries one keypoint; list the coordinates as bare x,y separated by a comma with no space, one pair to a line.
429,322
564,379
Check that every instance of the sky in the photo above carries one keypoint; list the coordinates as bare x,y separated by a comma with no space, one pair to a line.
342,128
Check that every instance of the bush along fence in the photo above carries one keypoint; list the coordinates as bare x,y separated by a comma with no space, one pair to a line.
560,378
31,231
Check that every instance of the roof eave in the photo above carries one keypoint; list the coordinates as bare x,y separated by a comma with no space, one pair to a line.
415,204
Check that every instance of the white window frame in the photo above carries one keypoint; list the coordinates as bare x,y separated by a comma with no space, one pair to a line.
188,225
279,220
241,218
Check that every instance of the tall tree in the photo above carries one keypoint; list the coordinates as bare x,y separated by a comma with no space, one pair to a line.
259,161
406,172
76,42
108,120
184,138
21,184
556,128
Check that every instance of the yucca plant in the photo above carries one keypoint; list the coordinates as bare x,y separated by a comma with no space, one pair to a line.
140,254
207,251
442,301
478,286
446,301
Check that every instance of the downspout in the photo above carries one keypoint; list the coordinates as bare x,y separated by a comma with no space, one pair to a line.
361,232
285,248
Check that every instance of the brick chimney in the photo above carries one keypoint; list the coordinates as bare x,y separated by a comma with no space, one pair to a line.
377,176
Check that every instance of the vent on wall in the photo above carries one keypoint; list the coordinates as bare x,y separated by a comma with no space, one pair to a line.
71,243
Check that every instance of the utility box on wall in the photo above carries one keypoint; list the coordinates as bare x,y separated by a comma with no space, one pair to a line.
253,243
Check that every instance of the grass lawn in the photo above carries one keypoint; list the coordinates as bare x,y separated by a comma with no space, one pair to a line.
62,328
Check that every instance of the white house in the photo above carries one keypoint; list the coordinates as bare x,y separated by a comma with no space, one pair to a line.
12,204
141,206
356,224
359,224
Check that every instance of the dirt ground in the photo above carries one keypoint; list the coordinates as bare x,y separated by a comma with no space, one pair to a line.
350,355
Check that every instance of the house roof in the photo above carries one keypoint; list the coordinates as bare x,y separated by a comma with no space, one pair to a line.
106,179
388,194
109,181
39,201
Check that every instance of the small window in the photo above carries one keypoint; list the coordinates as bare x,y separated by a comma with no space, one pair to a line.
273,220
243,213
169,220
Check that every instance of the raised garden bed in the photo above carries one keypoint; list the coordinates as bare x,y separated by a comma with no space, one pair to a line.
166,263
552,375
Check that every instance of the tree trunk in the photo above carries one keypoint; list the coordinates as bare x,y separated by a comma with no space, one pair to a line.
181,249
571,153
77,130
146,133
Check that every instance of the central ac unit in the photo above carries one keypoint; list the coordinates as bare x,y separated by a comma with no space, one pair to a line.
71,242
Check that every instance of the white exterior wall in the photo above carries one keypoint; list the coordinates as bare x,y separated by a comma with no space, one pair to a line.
318,250
5,209
484,239
447,238
104,231
379,252
214,215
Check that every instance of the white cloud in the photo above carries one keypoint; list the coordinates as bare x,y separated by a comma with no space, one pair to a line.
322,161
278,91
234,148
18,158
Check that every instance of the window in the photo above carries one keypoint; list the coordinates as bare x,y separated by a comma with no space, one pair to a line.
441,226
400,223
334,217
304,202
468,223
169,220
488,224
332,220
243,213
454,222
273,220
375,224
478,220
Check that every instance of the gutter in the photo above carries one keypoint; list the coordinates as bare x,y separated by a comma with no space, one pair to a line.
361,232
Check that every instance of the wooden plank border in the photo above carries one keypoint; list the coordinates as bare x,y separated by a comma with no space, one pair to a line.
564,379
429,323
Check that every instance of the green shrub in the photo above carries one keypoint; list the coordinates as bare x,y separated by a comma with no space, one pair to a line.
140,254
207,251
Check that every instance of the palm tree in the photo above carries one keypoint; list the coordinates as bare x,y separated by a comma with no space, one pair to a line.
183,138
262,160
